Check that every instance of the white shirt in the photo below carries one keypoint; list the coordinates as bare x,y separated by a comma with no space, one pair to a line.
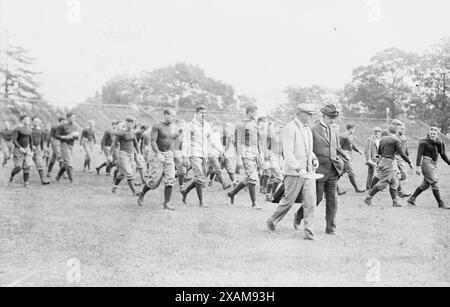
196,136
215,145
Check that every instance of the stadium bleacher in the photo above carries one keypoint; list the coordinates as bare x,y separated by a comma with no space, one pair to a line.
103,114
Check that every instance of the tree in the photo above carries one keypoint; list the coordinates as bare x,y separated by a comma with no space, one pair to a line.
180,86
244,101
315,94
386,82
431,100
120,90
18,78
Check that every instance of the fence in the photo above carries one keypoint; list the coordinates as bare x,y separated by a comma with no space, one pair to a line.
103,114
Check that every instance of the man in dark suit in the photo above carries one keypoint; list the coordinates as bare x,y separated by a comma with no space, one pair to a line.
331,164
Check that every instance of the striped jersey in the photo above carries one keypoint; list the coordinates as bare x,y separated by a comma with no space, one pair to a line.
247,138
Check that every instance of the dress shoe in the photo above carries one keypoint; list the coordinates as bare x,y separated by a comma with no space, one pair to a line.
396,203
296,223
256,206
308,235
140,199
168,207
412,201
230,199
270,226
332,233
403,195
339,192
226,187
368,200
442,205
184,195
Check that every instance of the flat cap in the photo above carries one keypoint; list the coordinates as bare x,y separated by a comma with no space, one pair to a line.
262,118
307,108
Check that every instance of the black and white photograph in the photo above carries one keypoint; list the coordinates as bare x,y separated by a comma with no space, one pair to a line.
224,149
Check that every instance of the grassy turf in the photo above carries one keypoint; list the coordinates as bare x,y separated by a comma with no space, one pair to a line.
119,243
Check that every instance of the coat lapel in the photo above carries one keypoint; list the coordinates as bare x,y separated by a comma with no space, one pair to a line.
321,131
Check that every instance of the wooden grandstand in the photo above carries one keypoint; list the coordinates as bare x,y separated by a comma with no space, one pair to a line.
104,114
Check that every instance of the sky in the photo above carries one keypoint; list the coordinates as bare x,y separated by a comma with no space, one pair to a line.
258,46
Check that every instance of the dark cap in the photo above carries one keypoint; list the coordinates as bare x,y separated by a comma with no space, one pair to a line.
330,110
396,122
70,114
130,119
61,118
23,116
377,129
262,119
200,108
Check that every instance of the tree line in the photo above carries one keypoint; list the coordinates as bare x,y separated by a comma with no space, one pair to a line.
395,82
181,86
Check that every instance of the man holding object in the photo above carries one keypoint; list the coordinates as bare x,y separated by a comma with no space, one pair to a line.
299,163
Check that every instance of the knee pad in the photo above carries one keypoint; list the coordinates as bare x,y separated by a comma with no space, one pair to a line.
382,186
170,183
435,186
424,186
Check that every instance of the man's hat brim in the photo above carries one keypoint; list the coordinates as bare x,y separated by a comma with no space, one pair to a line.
330,114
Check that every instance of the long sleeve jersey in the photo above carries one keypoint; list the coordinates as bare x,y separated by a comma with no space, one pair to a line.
390,146
22,137
431,149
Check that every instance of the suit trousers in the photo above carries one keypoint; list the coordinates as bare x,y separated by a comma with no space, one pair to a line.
325,186
293,186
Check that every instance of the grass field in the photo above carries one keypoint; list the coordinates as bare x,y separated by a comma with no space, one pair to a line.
121,244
